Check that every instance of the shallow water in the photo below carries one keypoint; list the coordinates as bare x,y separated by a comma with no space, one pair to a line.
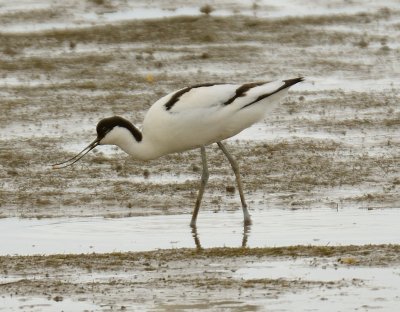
274,227
16,303
368,288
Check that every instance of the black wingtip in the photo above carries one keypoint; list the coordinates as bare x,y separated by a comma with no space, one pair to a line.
291,82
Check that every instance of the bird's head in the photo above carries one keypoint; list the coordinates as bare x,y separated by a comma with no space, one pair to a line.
110,131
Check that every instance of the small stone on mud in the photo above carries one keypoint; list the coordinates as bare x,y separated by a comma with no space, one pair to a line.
146,173
230,189
58,298
12,172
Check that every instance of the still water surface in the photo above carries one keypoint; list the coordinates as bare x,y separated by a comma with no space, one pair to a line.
274,227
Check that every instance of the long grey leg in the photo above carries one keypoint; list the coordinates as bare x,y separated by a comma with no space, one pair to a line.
235,168
246,232
204,179
196,238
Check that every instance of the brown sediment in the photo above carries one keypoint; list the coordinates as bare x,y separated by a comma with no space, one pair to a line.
329,148
135,278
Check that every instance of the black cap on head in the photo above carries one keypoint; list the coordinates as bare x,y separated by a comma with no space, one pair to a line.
107,124
103,127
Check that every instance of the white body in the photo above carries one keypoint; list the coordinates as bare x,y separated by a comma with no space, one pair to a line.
198,118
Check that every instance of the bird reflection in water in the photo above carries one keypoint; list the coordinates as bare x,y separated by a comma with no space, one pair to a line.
245,236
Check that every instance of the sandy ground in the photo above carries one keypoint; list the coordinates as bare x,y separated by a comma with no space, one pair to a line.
332,143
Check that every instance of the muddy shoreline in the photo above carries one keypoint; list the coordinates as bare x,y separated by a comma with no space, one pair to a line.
58,83
203,278
332,144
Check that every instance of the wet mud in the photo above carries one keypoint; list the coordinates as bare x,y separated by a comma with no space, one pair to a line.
56,84
183,279
333,143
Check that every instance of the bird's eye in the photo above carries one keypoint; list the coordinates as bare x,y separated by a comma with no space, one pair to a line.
105,130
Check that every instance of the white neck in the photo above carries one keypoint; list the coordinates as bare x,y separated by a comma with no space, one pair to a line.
124,139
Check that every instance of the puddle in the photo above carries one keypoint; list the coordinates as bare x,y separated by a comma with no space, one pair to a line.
83,20
12,303
272,227
147,13
132,11
165,178
371,288
349,84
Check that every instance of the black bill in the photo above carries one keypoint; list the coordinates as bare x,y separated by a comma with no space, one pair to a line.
74,159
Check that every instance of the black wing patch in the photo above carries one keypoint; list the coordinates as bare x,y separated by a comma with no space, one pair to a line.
288,83
175,98
241,91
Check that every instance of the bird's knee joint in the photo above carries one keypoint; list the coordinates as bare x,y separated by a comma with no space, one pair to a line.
204,177
235,165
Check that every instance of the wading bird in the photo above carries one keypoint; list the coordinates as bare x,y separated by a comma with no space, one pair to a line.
193,117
